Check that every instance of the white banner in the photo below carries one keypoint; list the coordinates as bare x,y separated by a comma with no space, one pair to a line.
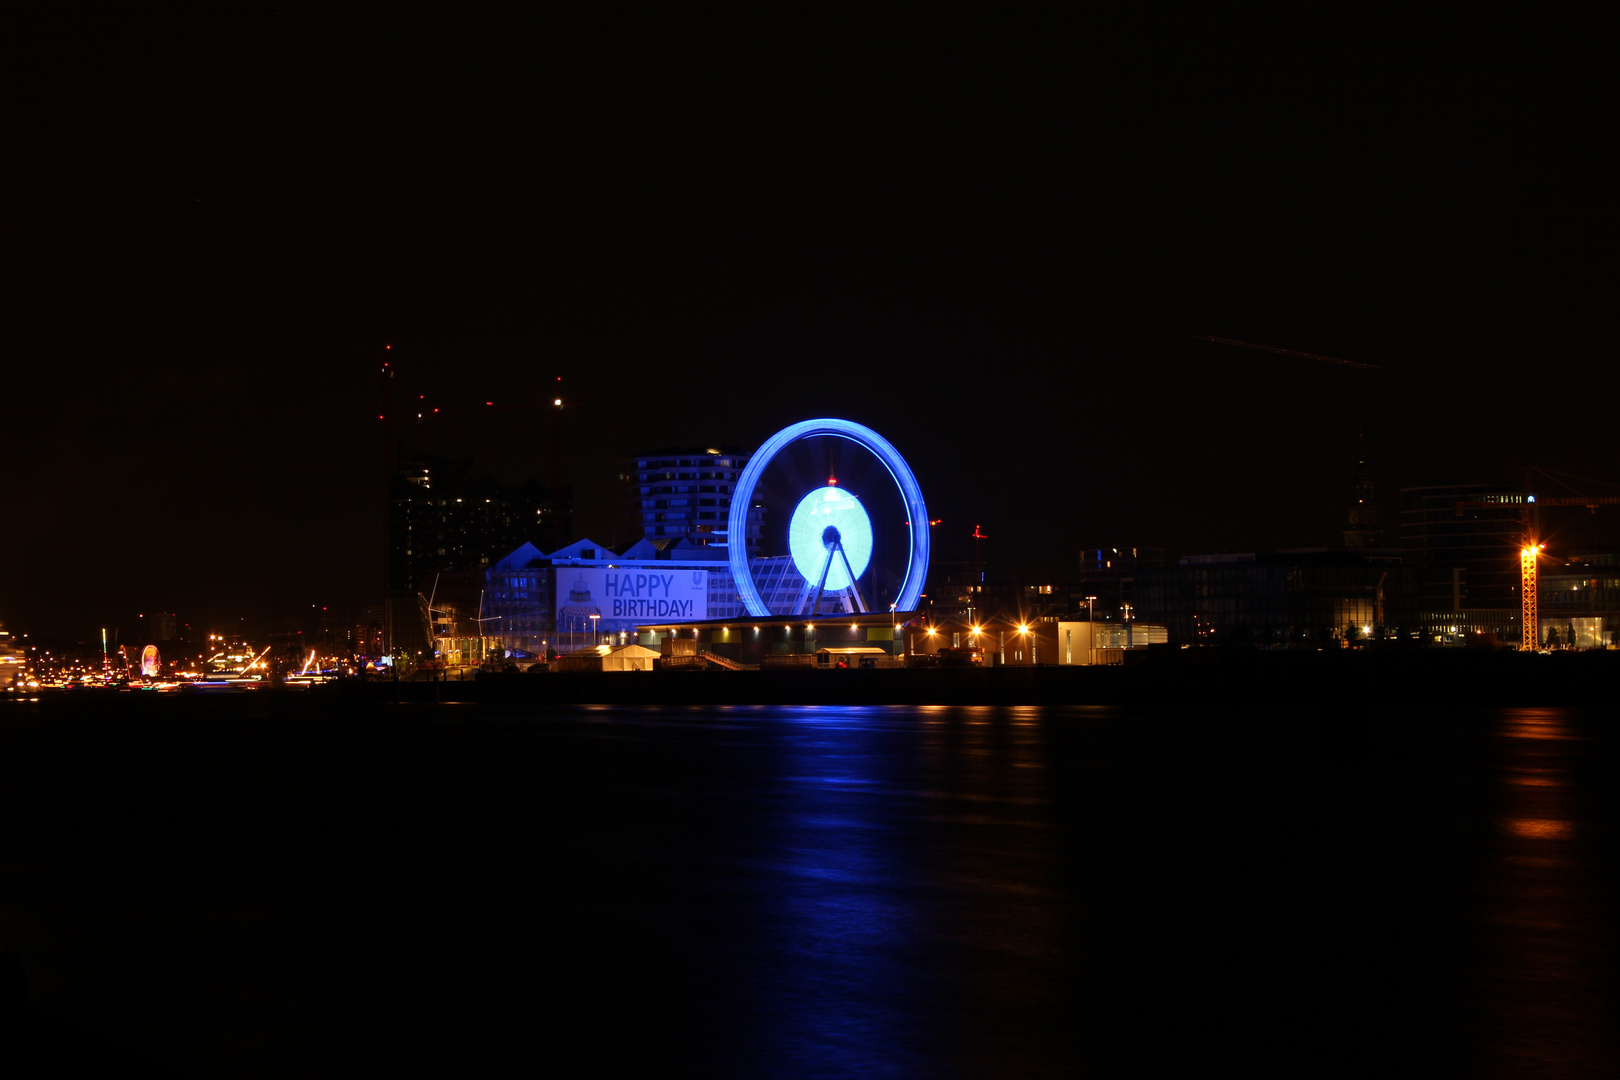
625,599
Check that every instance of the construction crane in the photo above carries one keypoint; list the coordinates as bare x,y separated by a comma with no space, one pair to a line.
1530,548
1286,352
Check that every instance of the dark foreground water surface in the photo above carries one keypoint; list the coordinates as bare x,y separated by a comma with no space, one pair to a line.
300,888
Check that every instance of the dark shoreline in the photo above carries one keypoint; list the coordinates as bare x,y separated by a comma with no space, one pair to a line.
1206,678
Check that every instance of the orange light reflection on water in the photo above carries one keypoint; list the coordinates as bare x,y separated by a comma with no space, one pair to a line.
1538,828
1539,1009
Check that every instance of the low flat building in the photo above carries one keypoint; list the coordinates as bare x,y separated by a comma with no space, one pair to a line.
1579,602
1031,642
750,641
607,658
1083,642
1304,596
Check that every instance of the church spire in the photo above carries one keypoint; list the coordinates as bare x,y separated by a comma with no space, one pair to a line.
1362,519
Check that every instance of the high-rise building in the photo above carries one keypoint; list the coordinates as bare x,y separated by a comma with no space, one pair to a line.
443,517
1466,559
1108,575
685,494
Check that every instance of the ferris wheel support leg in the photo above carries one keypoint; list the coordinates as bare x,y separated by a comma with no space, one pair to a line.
800,605
822,584
853,587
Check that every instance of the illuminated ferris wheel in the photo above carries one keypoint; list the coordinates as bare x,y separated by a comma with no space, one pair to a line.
830,535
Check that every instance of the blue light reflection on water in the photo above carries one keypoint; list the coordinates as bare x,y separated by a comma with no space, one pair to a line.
895,934
843,922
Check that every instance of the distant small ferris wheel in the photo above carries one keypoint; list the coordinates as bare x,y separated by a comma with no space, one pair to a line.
830,536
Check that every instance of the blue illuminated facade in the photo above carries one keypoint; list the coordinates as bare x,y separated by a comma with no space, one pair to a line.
533,602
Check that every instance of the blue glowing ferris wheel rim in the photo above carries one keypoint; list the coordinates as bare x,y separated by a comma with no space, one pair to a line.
742,496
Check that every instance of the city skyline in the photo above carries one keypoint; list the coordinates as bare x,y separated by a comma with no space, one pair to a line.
995,254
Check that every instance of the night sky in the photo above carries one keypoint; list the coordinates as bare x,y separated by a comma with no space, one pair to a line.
990,238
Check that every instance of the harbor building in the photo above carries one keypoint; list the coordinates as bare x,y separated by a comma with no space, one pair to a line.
531,604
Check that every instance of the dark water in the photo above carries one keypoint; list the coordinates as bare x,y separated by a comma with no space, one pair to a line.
291,890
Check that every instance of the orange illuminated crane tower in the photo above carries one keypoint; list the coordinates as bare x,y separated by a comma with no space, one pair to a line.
1529,619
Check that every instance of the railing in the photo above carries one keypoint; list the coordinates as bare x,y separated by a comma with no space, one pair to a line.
723,661
787,660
